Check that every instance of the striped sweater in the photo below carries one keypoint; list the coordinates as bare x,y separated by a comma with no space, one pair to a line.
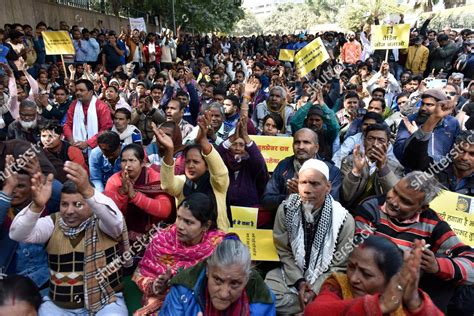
455,259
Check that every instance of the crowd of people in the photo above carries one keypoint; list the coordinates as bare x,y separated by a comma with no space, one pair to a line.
125,160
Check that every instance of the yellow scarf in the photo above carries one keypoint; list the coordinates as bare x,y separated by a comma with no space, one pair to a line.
341,280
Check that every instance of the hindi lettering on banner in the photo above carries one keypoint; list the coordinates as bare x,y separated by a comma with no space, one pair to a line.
260,243
273,149
244,217
458,211
390,36
310,57
286,55
58,43
137,23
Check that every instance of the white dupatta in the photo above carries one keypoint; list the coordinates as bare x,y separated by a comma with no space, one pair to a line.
81,131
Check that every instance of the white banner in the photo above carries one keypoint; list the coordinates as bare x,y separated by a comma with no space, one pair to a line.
137,23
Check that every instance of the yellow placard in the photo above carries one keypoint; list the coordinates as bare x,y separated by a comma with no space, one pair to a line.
458,211
260,243
390,36
58,43
244,217
273,149
286,55
310,57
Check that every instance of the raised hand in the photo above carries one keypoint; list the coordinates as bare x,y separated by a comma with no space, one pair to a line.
379,154
443,109
411,126
40,191
251,86
124,177
79,176
359,160
164,140
11,177
411,297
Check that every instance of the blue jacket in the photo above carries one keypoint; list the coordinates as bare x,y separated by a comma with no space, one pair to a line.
101,169
276,190
20,258
187,294
440,143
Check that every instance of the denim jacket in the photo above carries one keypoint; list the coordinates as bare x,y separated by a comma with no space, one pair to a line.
101,169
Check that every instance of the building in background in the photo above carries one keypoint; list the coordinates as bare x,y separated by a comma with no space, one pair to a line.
264,8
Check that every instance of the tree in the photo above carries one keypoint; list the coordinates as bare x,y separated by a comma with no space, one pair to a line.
247,26
289,18
199,15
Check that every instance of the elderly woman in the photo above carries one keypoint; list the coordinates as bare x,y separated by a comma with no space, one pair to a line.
276,103
224,285
114,100
137,192
248,172
204,170
191,239
379,280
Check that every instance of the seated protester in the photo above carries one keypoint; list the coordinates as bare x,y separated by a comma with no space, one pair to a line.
207,96
248,172
275,103
394,292
370,171
59,151
349,112
403,215
191,239
376,105
318,117
155,151
18,294
26,126
215,131
128,133
441,137
190,98
232,116
457,174
198,290
112,98
105,159
81,241
404,109
385,80
56,110
156,93
217,96
272,125
137,192
143,116
465,116
204,171
349,144
310,228
175,113
18,257
87,117
284,178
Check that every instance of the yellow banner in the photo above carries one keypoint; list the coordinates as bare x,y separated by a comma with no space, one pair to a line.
260,243
273,149
310,57
390,36
458,211
244,217
58,43
286,55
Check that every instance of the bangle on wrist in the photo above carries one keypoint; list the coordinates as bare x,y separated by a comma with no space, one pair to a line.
246,97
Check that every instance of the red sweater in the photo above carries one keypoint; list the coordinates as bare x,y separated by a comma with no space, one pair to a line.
330,302
104,120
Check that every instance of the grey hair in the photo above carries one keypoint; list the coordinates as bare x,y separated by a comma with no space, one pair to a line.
28,104
217,105
229,252
281,89
424,182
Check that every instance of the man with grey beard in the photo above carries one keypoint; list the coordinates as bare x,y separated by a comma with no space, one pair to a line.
26,126
313,235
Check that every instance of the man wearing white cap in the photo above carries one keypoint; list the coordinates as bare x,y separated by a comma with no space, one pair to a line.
313,235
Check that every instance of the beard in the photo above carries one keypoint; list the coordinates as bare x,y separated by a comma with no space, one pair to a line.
308,212
421,118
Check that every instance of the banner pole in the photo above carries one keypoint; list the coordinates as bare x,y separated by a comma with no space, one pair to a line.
386,55
64,67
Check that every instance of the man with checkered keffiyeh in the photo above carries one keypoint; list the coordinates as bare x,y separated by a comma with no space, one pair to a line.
313,236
